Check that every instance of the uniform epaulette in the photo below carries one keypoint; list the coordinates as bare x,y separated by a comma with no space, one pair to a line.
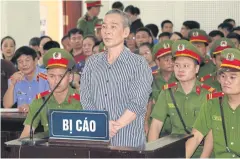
43,94
208,88
74,96
166,86
204,78
41,75
215,95
155,72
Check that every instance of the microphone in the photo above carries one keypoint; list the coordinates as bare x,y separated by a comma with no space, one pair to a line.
30,141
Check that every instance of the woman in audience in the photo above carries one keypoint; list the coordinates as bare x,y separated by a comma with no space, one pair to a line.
8,46
43,41
131,42
96,47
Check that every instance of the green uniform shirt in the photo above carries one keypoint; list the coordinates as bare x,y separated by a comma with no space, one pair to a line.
211,80
69,103
207,68
87,25
189,107
210,118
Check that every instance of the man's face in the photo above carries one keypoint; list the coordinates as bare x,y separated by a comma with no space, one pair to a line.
142,37
131,41
8,48
165,63
96,10
230,82
66,45
235,41
185,31
113,31
185,69
26,64
167,27
146,53
88,44
217,61
76,41
54,75
213,39
201,48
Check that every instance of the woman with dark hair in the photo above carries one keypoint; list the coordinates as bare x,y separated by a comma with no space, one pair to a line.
133,13
8,46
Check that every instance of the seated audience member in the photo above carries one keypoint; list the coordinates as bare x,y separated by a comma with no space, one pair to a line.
131,42
187,26
49,45
25,84
236,30
66,43
8,46
143,35
7,70
164,36
34,43
145,50
235,38
154,29
225,28
167,26
43,41
64,97
96,47
118,5
230,21
176,36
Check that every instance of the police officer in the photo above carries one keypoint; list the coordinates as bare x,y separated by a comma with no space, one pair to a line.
181,100
215,51
200,40
220,114
57,61
88,21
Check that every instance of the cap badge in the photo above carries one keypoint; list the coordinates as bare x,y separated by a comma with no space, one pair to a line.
57,55
230,57
195,33
223,43
166,46
181,47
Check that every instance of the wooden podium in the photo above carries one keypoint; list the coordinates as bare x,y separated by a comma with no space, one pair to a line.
172,146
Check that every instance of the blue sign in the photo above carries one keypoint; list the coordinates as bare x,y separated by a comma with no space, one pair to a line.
79,125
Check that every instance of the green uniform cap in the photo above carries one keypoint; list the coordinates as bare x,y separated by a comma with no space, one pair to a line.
221,44
187,49
198,35
57,57
162,48
231,59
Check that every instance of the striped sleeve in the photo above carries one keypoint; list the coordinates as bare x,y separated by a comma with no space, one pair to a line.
140,89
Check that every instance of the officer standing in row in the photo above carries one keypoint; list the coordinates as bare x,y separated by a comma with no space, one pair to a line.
200,40
88,21
215,51
181,100
57,61
220,114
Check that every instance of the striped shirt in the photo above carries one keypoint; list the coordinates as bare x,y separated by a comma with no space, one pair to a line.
125,84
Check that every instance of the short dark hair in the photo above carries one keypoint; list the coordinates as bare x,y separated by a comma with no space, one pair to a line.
43,37
214,33
35,41
154,29
7,37
236,28
51,44
234,36
146,44
25,50
64,37
144,29
75,31
229,20
178,33
190,24
118,5
227,26
133,10
94,39
164,34
164,22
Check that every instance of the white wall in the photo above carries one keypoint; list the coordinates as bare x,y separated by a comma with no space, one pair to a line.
21,20
209,13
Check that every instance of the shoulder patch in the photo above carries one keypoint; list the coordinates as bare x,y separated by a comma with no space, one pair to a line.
74,96
208,88
41,75
43,94
206,77
166,86
215,95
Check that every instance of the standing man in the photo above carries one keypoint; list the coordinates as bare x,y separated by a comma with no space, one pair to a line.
167,26
200,40
57,61
220,115
88,21
119,82
187,26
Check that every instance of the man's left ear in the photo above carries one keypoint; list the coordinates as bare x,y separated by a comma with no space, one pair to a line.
126,32
197,68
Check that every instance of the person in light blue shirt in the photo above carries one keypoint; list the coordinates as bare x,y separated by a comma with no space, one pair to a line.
24,85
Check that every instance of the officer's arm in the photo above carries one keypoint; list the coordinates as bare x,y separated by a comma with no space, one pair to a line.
26,131
192,143
208,146
155,129
149,110
82,25
8,99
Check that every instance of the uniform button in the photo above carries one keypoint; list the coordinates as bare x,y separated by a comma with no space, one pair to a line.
29,98
105,94
187,98
59,106
186,113
107,81
172,113
233,112
109,67
232,143
46,124
29,87
233,155
232,127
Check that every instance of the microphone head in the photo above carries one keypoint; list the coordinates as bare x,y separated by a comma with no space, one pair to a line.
57,57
